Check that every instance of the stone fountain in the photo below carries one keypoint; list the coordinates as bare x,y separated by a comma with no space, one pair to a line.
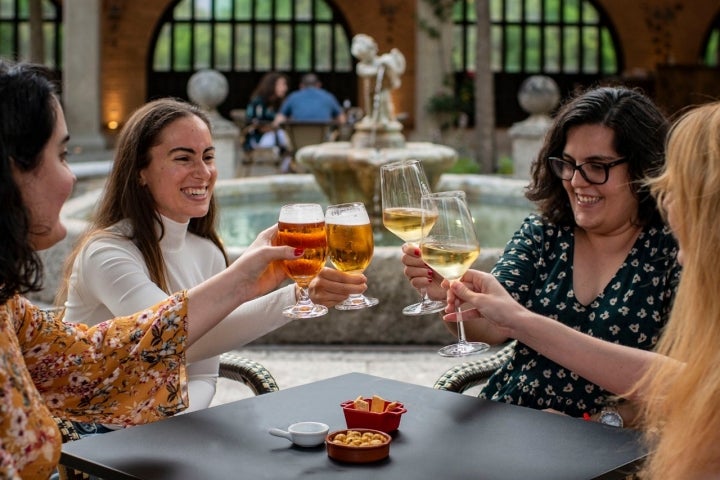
349,171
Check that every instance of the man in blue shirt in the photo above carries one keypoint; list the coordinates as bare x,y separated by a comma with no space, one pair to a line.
310,104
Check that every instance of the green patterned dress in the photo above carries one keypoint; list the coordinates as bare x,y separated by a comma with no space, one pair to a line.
537,269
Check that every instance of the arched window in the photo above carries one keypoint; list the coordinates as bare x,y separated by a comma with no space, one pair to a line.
15,36
569,40
243,39
711,49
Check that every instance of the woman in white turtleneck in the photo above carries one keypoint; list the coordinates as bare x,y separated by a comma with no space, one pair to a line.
154,233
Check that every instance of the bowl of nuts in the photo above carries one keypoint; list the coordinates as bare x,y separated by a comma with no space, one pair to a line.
358,445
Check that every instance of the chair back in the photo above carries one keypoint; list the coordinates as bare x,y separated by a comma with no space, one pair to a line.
301,134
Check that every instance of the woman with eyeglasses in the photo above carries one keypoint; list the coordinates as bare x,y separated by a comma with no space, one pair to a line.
596,256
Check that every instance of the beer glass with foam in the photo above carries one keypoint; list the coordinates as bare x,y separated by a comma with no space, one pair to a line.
302,225
350,246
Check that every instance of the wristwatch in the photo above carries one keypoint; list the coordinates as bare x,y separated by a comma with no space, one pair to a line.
609,415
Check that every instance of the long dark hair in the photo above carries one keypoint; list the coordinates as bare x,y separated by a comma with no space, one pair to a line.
27,118
640,129
266,89
125,198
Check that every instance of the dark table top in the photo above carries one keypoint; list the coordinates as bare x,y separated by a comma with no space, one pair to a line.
443,435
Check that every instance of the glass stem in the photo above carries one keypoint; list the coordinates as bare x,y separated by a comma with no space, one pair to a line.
461,327
304,300
423,295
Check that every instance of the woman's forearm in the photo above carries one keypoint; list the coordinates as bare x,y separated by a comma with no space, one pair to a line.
613,367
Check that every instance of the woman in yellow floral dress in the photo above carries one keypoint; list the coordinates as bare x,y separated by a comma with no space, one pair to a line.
126,370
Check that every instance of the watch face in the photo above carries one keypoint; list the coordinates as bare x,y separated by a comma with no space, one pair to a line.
611,418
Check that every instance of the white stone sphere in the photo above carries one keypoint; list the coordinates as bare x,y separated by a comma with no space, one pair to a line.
538,94
207,88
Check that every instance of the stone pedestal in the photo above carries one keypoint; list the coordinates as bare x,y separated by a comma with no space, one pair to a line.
538,95
208,89
527,139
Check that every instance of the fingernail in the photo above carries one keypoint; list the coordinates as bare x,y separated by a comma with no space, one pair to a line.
417,252
430,274
299,252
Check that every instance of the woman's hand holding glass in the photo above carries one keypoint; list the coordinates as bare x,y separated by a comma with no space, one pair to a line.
350,246
302,226
449,246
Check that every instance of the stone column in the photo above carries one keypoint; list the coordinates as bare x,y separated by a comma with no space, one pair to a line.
432,63
208,89
538,96
81,73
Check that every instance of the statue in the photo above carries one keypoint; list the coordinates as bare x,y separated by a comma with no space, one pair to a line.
379,75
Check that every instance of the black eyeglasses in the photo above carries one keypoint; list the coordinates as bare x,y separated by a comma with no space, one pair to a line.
594,172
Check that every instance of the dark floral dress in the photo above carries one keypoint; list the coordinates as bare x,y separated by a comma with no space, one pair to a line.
537,269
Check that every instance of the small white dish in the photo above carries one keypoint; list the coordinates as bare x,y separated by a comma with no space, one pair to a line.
303,434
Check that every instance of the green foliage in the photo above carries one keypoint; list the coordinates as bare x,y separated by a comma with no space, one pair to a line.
505,165
465,165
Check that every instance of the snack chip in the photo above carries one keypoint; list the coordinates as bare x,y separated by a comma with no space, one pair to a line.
377,404
361,404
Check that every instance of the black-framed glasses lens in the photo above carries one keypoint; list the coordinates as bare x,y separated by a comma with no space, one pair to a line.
594,172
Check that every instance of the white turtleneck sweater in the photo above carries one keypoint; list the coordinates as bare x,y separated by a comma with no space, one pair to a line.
110,279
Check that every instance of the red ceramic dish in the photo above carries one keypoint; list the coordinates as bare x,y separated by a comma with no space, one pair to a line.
385,422
358,453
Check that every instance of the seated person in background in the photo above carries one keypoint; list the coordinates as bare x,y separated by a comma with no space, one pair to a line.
264,104
310,104
597,257
125,370
678,385
154,232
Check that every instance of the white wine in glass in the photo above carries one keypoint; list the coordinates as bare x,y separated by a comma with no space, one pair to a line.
350,246
449,246
302,225
402,185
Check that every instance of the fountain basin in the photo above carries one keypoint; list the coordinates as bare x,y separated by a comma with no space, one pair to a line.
348,173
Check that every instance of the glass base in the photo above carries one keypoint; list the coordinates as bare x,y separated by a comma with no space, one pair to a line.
357,303
305,311
462,349
424,308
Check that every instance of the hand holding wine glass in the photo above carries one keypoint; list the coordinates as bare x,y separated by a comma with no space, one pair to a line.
402,186
449,246
302,225
350,246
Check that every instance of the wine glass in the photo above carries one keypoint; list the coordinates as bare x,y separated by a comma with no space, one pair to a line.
302,225
449,246
350,246
403,184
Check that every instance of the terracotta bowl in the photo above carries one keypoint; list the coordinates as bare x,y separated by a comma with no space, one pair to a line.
364,453
387,422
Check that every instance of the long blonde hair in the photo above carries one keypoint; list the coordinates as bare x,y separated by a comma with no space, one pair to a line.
680,408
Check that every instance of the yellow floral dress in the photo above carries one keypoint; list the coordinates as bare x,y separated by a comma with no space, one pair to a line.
127,371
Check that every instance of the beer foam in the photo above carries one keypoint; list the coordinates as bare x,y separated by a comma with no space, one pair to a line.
355,217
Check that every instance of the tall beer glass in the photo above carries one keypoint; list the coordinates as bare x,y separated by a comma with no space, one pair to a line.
302,225
403,184
350,246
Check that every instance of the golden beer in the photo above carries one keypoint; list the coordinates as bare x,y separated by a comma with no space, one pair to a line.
350,247
312,238
450,261
406,223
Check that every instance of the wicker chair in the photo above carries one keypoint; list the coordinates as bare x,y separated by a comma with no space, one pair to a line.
232,366
470,374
